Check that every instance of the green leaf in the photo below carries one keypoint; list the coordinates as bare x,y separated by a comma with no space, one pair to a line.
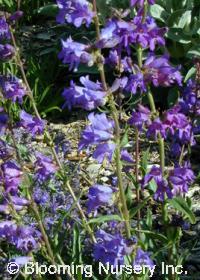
76,248
134,210
177,35
104,219
172,96
159,13
190,73
124,140
185,19
145,158
181,205
194,52
48,10
154,235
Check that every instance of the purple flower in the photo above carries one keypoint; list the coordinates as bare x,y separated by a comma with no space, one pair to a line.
44,167
12,88
41,197
190,103
162,185
7,229
110,248
88,97
100,130
105,150
5,150
26,238
127,160
3,122
159,71
21,261
113,59
32,124
75,11
116,32
74,53
178,126
155,128
180,178
99,195
11,177
143,258
140,3
16,16
175,149
135,83
6,52
4,29
147,34
108,36
140,118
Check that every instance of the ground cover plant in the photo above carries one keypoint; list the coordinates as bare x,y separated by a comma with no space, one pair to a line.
112,198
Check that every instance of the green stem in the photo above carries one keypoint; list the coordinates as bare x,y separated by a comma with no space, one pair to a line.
137,176
115,116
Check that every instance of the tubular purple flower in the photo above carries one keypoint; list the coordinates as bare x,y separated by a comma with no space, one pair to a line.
159,71
110,248
162,185
44,167
147,34
142,258
16,16
105,150
5,150
140,3
140,118
136,83
12,88
11,177
6,52
99,195
190,103
76,12
178,126
155,128
88,97
74,53
100,130
26,238
3,122
180,179
4,29
21,261
32,124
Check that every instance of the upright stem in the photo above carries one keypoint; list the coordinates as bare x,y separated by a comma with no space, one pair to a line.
137,175
115,116
119,167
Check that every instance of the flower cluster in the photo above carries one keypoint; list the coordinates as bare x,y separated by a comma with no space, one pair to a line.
12,88
33,125
99,132
25,238
110,248
177,183
76,12
88,97
99,195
